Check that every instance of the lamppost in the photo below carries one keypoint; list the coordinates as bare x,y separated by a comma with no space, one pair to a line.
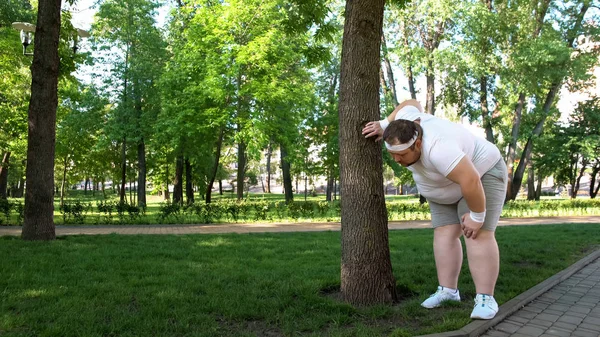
27,29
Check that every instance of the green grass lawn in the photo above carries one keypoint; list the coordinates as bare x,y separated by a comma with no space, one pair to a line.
277,284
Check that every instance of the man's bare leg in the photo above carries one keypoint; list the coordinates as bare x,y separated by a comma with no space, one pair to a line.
447,250
484,261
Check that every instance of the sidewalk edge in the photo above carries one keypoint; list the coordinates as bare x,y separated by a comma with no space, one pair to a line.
476,328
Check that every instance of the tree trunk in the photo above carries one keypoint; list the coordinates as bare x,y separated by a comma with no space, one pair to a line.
123,171
220,187
4,175
39,202
430,76
578,180
189,191
366,269
388,71
141,181
530,181
518,176
241,170
269,154
409,70
215,169
167,195
538,190
286,173
485,113
594,191
178,183
329,191
512,146
64,181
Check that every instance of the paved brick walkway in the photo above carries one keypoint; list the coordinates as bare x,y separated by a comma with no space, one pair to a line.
270,227
571,308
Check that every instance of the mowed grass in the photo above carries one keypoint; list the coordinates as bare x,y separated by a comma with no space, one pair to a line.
273,284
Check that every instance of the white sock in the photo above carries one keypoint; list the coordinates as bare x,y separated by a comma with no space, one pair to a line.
449,290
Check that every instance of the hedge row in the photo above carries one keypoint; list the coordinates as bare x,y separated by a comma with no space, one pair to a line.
109,212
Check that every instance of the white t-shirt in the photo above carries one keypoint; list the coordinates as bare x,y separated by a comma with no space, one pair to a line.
444,144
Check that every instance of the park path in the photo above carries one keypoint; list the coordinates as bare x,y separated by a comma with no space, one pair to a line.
264,227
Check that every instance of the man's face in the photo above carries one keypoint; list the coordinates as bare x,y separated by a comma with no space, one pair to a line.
409,156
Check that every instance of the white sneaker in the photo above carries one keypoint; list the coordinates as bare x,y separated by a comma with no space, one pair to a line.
442,294
485,307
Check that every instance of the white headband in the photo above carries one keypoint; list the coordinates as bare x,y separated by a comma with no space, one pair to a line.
401,147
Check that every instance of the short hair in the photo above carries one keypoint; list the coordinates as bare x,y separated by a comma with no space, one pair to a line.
401,131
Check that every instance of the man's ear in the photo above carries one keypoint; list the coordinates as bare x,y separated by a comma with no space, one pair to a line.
418,121
418,143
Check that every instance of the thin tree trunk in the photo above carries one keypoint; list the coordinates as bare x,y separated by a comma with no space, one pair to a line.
518,176
286,173
388,71
512,146
430,76
530,182
123,171
594,189
167,178
215,169
178,183
4,175
39,202
189,191
141,181
329,191
220,187
409,70
241,170
269,154
538,190
64,181
485,113
366,269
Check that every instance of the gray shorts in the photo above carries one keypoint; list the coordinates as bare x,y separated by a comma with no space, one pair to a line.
494,184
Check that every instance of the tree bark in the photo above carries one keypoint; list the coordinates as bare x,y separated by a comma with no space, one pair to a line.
241,170
512,146
123,171
594,189
366,269
530,182
269,154
388,71
430,76
4,175
189,191
178,183
287,175
167,178
141,182
485,112
215,169
64,181
329,191
518,176
39,202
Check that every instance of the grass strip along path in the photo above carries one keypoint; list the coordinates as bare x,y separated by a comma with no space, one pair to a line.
267,284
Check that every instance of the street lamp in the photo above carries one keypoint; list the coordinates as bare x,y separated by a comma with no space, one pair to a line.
27,29
26,34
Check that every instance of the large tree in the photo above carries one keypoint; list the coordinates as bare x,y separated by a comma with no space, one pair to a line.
366,269
39,203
